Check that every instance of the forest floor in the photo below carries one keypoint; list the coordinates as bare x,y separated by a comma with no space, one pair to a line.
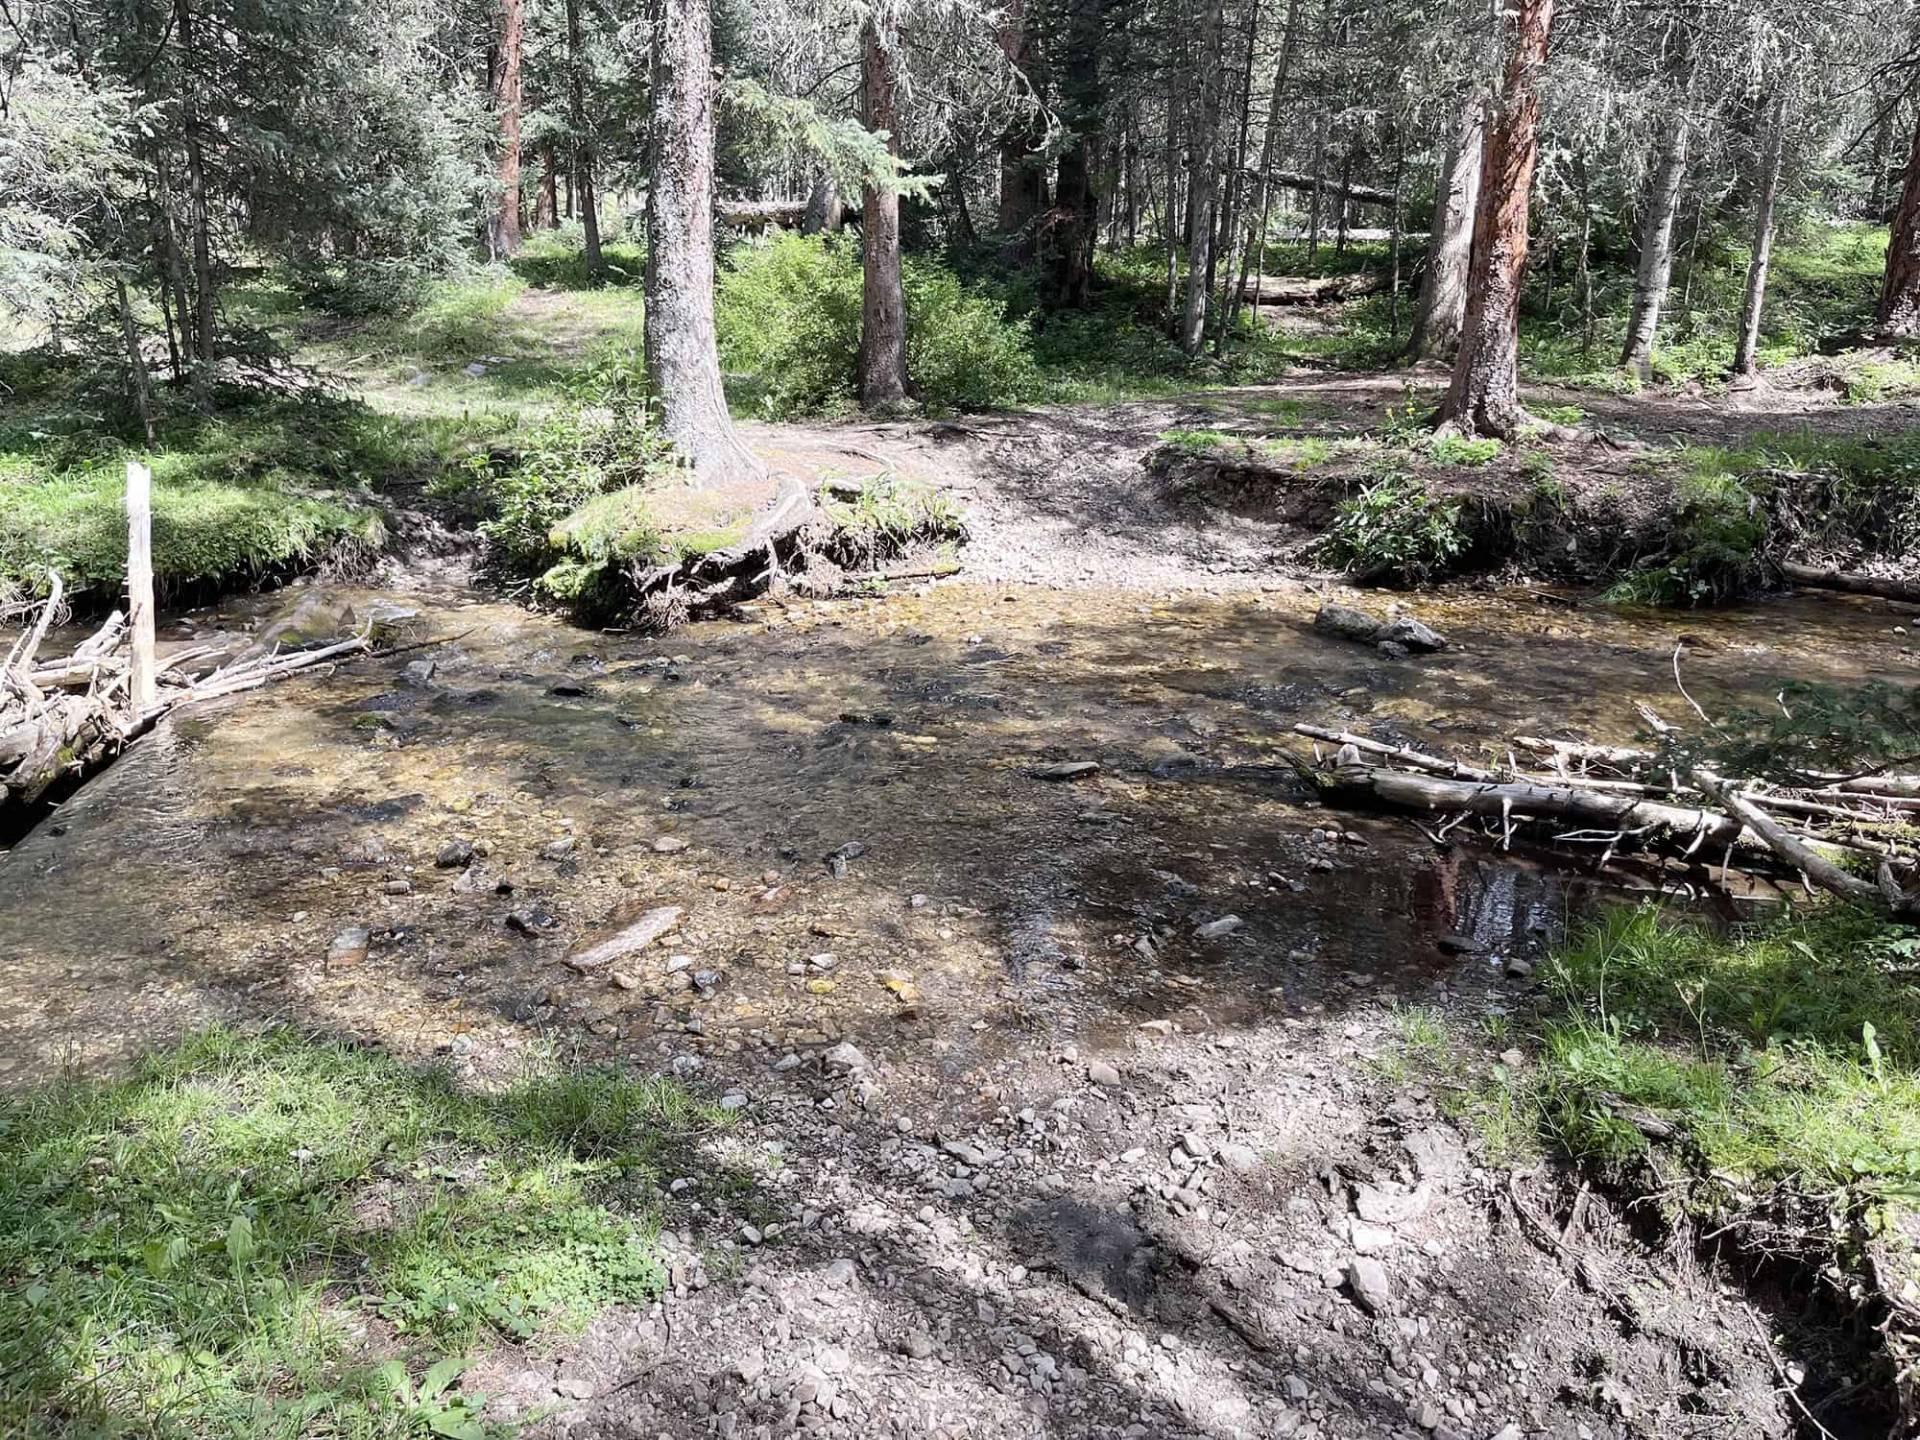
1149,1100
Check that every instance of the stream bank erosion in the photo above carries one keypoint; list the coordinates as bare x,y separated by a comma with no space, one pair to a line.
1059,1022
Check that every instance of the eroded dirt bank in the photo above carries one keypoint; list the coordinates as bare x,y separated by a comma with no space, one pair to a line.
1099,1162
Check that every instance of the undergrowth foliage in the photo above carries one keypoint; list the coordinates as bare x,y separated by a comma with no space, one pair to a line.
1394,530
788,315
197,1250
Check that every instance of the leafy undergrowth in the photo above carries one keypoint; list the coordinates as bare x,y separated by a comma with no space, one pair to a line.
270,1234
1824,282
1785,495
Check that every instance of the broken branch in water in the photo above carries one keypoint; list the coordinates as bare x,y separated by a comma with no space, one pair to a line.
66,718
1624,800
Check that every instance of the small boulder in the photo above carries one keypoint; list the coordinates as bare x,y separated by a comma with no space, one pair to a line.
1410,634
456,854
846,1058
1372,1287
1346,623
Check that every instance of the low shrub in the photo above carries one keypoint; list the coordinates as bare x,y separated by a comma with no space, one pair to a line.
1394,530
788,315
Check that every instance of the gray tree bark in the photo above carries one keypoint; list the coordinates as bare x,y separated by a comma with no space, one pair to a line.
582,144
883,304
1655,271
1745,354
1442,311
1205,183
683,359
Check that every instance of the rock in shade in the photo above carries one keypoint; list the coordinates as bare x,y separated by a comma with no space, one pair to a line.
1219,929
456,854
1066,770
1371,1287
629,940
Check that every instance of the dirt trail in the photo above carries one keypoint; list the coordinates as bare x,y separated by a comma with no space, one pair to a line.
1132,1138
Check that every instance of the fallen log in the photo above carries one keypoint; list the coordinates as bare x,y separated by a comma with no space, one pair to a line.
760,214
1809,862
1645,822
62,720
1851,582
1308,289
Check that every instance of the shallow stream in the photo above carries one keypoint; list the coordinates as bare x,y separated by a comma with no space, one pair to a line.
844,798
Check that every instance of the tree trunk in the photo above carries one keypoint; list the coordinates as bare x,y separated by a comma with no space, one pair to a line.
546,202
205,341
683,360
1747,349
1074,221
1442,312
503,226
823,207
1255,253
582,169
1899,316
1170,216
1655,270
1236,187
1023,175
138,381
883,306
1206,181
1484,398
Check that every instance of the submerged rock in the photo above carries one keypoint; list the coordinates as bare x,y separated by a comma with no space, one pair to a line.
630,939
1396,638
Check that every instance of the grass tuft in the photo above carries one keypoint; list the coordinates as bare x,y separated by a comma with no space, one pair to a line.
201,1249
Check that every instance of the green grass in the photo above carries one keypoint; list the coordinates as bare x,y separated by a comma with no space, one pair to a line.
199,1249
1781,1053
262,484
1777,1059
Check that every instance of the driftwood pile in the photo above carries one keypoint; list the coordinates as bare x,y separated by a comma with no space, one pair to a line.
1611,800
61,719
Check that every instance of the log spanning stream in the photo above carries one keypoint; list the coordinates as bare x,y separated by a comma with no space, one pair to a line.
875,817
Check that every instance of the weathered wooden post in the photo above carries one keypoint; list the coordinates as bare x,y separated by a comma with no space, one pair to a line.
140,587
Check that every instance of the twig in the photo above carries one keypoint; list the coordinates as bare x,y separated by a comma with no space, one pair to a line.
1792,1390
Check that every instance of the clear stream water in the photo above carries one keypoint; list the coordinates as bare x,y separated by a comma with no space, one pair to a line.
978,909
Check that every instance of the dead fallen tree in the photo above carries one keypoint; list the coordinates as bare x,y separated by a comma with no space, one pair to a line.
1618,800
1308,289
62,719
1851,582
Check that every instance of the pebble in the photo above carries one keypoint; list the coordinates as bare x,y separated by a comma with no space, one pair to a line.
349,947
1103,1074
669,845
456,854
